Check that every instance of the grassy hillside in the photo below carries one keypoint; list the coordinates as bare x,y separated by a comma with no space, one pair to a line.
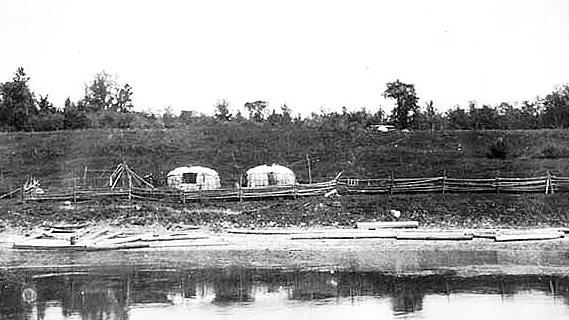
233,148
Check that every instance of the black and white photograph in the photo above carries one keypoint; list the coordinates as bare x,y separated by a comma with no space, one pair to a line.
304,160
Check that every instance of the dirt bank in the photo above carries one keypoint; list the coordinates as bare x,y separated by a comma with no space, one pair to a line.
430,210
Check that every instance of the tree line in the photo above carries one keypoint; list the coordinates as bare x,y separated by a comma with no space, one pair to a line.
108,104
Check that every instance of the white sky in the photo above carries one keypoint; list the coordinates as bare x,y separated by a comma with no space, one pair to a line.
310,54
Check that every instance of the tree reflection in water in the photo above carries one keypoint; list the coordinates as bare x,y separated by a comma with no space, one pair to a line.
111,295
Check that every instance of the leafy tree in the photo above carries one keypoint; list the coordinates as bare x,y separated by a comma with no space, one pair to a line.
282,118
256,110
45,107
286,114
239,117
74,115
457,118
123,99
530,115
406,110
508,117
222,110
377,118
169,118
482,118
17,102
103,93
556,104
99,93
188,116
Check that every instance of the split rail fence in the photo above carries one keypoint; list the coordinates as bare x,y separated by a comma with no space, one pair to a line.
171,195
126,184
548,184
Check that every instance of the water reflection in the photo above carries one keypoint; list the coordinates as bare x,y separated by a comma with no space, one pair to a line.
113,295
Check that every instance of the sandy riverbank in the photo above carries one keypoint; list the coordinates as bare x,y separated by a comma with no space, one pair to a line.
283,250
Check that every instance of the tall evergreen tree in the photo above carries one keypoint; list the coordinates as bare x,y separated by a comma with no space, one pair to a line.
17,102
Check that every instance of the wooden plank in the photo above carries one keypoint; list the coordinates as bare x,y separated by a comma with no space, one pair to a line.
10,193
387,224
46,247
172,237
262,232
120,246
485,234
529,236
95,234
93,240
454,236
346,235
69,226
43,244
119,240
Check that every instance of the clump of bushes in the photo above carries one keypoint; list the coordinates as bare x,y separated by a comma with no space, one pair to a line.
498,149
554,152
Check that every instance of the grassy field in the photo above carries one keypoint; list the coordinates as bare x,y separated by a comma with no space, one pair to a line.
233,148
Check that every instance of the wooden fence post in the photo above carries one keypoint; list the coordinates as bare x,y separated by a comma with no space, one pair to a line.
391,182
294,190
23,193
239,190
74,189
129,186
497,184
551,184
309,170
444,180
548,186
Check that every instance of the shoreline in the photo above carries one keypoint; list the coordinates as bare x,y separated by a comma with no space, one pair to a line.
281,251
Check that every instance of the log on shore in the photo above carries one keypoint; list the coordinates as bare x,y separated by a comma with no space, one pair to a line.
387,225
529,236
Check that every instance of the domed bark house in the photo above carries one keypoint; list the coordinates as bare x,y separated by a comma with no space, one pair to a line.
193,179
273,175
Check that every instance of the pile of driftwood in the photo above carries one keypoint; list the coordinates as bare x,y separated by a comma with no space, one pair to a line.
83,238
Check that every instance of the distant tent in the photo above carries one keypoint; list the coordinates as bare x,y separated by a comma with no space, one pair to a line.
274,175
193,178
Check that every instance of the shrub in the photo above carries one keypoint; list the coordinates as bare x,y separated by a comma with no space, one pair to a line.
554,152
498,149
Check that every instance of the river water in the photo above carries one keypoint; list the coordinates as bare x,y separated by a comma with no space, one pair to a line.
273,294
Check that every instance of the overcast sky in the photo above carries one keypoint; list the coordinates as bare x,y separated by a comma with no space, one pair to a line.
312,55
